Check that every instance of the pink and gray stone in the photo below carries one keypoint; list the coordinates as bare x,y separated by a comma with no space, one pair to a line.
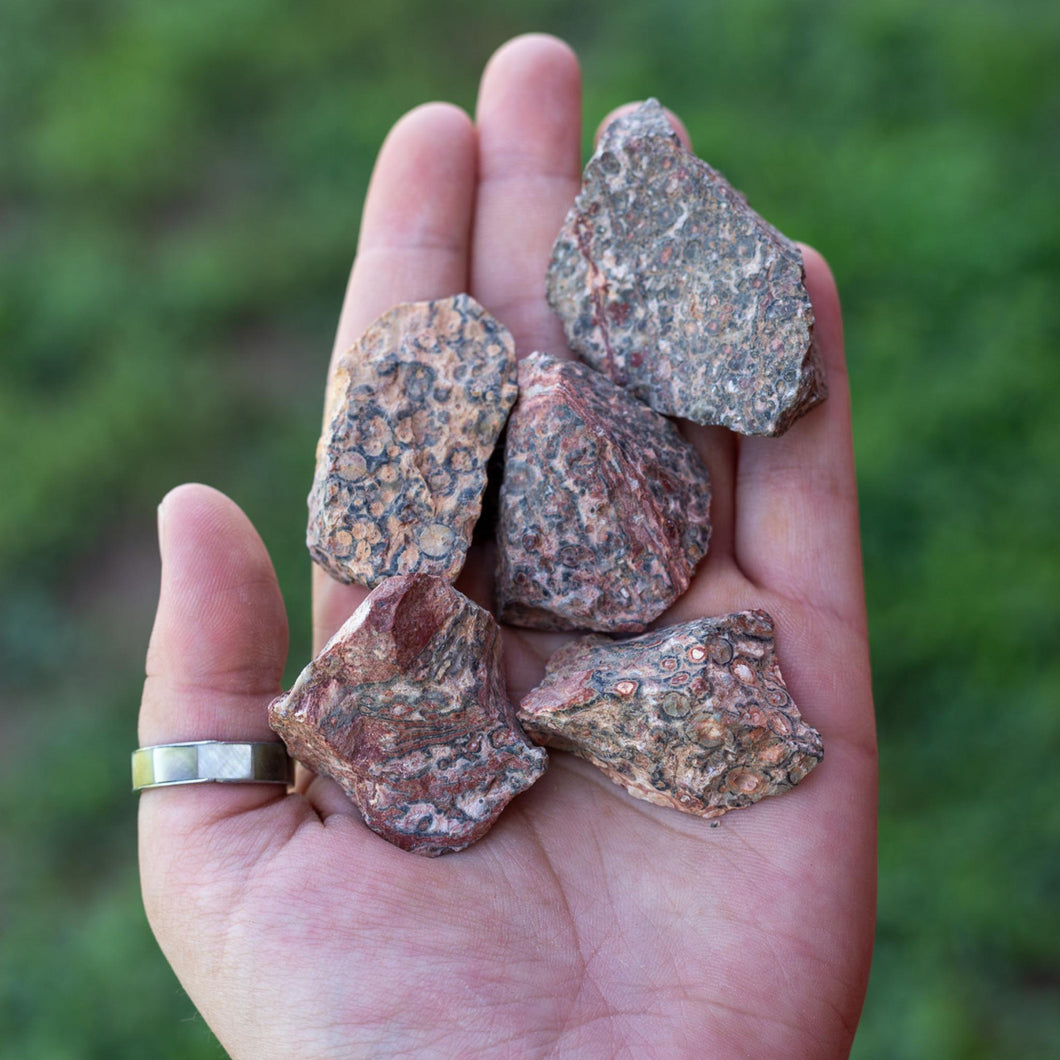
413,413
670,283
604,507
695,716
406,707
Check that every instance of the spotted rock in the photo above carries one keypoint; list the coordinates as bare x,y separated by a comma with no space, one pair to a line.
604,507
695,716
670,283
406,707
414,411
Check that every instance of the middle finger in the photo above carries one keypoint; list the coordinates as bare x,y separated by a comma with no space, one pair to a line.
529,154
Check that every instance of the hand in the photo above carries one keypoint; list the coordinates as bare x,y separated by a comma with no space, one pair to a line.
587,922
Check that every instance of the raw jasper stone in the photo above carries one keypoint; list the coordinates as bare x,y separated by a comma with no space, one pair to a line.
406,708
694,716
604,507
414,410
670,283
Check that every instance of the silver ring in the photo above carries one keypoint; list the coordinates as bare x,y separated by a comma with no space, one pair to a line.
211,761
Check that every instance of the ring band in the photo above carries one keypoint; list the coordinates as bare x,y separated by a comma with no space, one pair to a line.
211,761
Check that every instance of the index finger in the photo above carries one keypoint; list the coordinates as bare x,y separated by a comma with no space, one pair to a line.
413,246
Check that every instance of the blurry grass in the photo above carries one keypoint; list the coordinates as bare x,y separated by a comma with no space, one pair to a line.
180,187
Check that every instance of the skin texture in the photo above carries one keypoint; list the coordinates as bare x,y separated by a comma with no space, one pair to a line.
587,923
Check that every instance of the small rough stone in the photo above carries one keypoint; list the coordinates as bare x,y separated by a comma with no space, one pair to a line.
414,410
695,716
406,707
604,507
670,283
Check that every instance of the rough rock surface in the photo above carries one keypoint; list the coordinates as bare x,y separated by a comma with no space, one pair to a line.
604,507
414,410
694,716
406,707
670,283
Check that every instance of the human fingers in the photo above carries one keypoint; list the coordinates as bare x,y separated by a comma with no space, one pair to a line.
797,541
529,157
215,661
219,641
413,246
796,528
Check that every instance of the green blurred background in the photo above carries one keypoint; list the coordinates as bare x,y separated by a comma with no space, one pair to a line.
180,188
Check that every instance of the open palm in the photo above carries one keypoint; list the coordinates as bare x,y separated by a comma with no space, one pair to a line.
586,922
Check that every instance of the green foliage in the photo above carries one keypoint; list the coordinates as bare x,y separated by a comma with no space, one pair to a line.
180,187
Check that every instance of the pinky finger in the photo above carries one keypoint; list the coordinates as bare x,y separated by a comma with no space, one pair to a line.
796,529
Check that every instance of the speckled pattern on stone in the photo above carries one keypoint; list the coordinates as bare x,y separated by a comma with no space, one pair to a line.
670,283
406,707
414,410
604,507
695,716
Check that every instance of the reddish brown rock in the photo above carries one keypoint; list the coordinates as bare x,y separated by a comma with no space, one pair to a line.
670,283
695,717
406,707
414,411
604,507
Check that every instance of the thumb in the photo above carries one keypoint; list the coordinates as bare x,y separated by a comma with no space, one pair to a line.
219,641
215,661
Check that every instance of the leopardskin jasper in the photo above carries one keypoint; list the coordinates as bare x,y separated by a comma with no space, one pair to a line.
668,282
695,717
406,707
414,411
604,507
